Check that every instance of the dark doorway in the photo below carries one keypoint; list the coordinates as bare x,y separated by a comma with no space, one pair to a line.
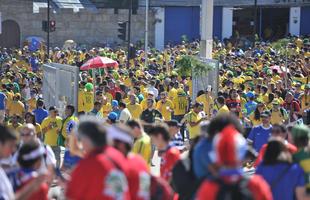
10,36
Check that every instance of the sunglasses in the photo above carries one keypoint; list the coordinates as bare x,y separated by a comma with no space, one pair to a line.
26,134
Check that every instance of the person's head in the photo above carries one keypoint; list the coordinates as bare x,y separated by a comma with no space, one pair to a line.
279,131
132,99
264,89
229,148
40,103
114,104
233,94
136,128
91,133
275,105
150,94
7,141
150,103
265,117
69,110
30,118
163,95
198,107
28,133
160,135
52,111
220,100
301,135
174,126
30,155
112,117
218,123
15,119
289,97
122,105
97,106
122,138
276,152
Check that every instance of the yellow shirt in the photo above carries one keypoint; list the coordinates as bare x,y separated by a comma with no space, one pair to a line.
207,103
172,94
276,117
254,121
135,110
180,104
81,101
143,147
127,82
50,136
194,131
164,108
38,129
32,104
17,128
106,109
88,101
16,108
223,109
109,97
305,102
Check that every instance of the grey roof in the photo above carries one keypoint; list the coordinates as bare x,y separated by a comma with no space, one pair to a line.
58,4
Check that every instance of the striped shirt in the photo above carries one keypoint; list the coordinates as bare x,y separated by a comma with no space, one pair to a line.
177,141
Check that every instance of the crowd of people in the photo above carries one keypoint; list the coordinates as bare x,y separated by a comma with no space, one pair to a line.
248,141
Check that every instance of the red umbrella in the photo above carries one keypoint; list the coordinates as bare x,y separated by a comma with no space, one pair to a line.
99,62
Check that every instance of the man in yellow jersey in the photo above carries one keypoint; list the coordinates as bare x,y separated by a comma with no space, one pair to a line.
165,106
278,115
150,95
222,107
134,108
106,107
142,144
207,101
173,92
16,107
81,97
180,107
88,97
51,127
193,119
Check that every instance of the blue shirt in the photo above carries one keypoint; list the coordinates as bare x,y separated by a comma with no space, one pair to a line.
250,107
69,160
259,136
201,159
177,141
40,114
284,189
2,98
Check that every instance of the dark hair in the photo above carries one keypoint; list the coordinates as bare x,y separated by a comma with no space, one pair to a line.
33,117
118,96
221,100
200,92
26,149
257,113
97,103
40,103
282,127
273,151
94,131
71,108
122,104
270,97
160,129
218,123
133,123
6,134
197,104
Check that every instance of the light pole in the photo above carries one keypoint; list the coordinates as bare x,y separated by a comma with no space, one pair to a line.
206,29
255,21
48,29
146,40
129,32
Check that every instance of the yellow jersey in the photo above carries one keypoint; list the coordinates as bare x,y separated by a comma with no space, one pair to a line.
276,117
254,121
16,108
207,103
223,109
164,108
106,109
81,101
50,135
143,147
88,101
32,104
135,110
194,131
180,104
172,94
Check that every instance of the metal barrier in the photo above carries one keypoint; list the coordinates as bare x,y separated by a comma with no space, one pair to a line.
60,85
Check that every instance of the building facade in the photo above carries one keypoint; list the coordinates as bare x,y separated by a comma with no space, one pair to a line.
169,20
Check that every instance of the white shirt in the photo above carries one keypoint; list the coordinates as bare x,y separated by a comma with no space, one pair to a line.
6,190
125,115
154,90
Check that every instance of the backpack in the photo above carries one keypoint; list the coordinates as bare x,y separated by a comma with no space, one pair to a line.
160,189
236,191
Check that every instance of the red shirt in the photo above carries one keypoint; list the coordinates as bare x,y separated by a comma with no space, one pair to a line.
40,193
139,178
168,160
98,177
256,185
290,147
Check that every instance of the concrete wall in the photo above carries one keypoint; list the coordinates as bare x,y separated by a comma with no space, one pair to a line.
84,27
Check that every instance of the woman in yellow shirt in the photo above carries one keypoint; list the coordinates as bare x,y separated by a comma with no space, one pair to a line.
255,118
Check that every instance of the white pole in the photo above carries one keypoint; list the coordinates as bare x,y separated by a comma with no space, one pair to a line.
206,29
146,32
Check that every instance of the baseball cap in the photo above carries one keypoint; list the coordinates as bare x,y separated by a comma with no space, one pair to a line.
300,131
173,123
266,113
250,94
112,116
114,103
